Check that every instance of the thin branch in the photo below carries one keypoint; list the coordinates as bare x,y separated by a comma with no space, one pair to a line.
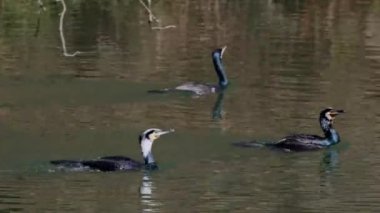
152,17
41,5
62,16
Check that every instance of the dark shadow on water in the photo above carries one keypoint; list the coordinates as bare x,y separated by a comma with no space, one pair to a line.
11,210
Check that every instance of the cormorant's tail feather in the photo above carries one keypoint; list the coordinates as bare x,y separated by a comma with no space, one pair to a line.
166,90
256,144
71,164
249,144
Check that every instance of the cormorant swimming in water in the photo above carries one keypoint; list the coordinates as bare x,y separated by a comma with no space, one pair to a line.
204,89
304,142
118,163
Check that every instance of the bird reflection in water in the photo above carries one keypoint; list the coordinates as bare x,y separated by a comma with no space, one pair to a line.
329,166
217,110
147,191
330,161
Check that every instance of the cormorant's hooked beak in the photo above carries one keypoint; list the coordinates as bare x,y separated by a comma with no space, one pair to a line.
222,52
163,132
336,112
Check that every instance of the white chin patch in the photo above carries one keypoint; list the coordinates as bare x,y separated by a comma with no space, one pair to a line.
329,117
146,147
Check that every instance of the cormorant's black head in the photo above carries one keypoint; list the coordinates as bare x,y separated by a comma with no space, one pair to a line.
218,53
146,140
329,114
153,134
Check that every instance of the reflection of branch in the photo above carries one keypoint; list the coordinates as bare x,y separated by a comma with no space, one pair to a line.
163,28
62,15
152,18
36,32
42,7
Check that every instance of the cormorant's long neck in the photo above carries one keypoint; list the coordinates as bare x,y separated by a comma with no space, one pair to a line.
146,148
330,133
150,164
149,159
219,69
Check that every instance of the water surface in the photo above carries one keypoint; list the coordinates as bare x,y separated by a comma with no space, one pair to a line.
286,61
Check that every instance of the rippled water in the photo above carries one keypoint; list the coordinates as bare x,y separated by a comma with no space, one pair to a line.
286,60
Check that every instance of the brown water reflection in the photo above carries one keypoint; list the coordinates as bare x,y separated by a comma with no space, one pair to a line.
285,59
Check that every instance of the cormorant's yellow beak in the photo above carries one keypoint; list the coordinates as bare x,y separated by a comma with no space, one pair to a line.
163,132
223,49
336,112
160,132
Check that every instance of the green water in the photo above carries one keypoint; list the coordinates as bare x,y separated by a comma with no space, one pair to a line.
286,60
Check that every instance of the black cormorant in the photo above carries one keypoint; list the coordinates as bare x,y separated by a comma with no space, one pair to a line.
301,142
305,142
118,163
201,88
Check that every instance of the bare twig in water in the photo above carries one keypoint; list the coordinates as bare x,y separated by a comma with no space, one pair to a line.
62,16
152,17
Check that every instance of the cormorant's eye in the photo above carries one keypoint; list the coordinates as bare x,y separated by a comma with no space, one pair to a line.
329,116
